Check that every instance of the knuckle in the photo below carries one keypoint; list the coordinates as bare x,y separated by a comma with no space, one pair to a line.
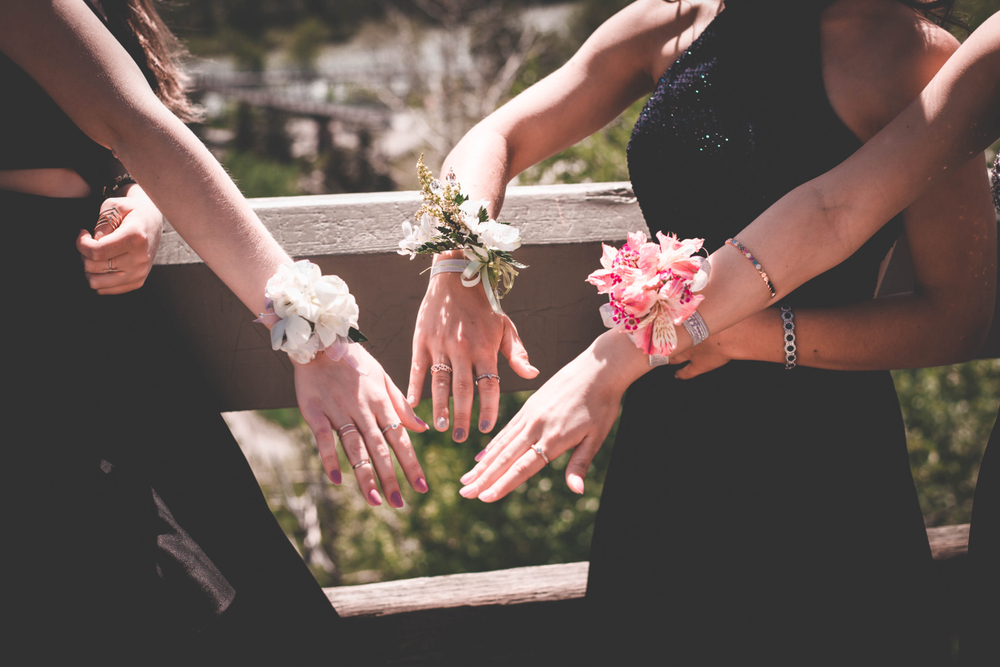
463,387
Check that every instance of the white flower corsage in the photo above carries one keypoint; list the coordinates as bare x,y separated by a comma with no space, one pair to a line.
449,220
309,313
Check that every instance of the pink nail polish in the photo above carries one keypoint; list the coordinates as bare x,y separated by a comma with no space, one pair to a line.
396,500
466,492
488,496
420,485
480,455
467,477
374,498
422,422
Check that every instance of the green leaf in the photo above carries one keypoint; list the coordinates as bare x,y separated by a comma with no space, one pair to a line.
357,336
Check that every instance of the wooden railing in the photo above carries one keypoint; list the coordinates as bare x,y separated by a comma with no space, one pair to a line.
438,620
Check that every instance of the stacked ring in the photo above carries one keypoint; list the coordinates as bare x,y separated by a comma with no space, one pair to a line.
441,368
347,428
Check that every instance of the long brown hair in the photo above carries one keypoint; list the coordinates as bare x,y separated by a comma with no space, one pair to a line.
156,50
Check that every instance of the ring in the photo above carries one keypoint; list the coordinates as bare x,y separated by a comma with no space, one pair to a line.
347,428
111,266
393,426
362,463
441,368
538,450
111,217
493,376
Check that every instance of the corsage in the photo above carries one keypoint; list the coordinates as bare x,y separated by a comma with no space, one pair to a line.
449,220
651,288
310,313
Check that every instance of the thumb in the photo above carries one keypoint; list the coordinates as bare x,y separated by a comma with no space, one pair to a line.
579,463
513,349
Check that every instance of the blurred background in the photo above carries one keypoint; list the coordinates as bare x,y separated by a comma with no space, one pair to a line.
331,96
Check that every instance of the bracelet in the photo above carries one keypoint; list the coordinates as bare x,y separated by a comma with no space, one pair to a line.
696,328
788,324
739,246
120,180
448,266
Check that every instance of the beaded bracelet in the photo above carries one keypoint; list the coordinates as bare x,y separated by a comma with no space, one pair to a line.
788,324
120,181
739,246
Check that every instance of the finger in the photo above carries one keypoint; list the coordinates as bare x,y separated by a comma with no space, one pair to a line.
462,387
401,444
496,463
579,463
381,457
680,357
486,457
357,454
407,416
513,349
107,281
112,245
121,289
517,474
688,372
440,391
489,397
122,264
418,372
322,430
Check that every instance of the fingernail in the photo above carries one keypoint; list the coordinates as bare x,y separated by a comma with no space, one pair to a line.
459,434
409,399
468,477
442,423
488,496
466,492
575,484
335,476
396,500
420,485
480,455
484,425
422,422
374,498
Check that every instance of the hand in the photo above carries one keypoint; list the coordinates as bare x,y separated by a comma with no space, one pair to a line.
709,355
120,261
332,395
575,409
456,327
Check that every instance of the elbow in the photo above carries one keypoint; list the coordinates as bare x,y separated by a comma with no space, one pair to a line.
969,331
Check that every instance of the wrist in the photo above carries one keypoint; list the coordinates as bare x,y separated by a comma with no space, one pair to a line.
624,362
456,253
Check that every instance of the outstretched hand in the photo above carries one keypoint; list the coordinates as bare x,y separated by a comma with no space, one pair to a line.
371,417
575,410
457,329
119,261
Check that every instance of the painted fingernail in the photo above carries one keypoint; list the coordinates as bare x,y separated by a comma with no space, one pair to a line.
441,423
411,401
459,434
374,498
480,455
467,477
484,425
420,485
335,476
488,496
421,421
396,500
467,492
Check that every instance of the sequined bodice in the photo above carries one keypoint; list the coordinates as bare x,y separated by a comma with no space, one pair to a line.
739,120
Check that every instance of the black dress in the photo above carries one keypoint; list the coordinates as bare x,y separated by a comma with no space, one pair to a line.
756,513
137,531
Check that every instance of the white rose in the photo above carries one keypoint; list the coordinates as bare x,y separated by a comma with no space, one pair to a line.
499,236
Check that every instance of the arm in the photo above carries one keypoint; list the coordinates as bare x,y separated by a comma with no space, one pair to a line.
619,63
91,77
816,236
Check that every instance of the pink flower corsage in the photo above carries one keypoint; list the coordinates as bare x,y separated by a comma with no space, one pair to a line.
651,288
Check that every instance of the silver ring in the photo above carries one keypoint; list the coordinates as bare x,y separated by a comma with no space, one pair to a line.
538,450
393,426
111,266
493,376
362,463
347,428
441,368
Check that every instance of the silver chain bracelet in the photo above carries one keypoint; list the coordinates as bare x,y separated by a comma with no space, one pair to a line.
788,324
